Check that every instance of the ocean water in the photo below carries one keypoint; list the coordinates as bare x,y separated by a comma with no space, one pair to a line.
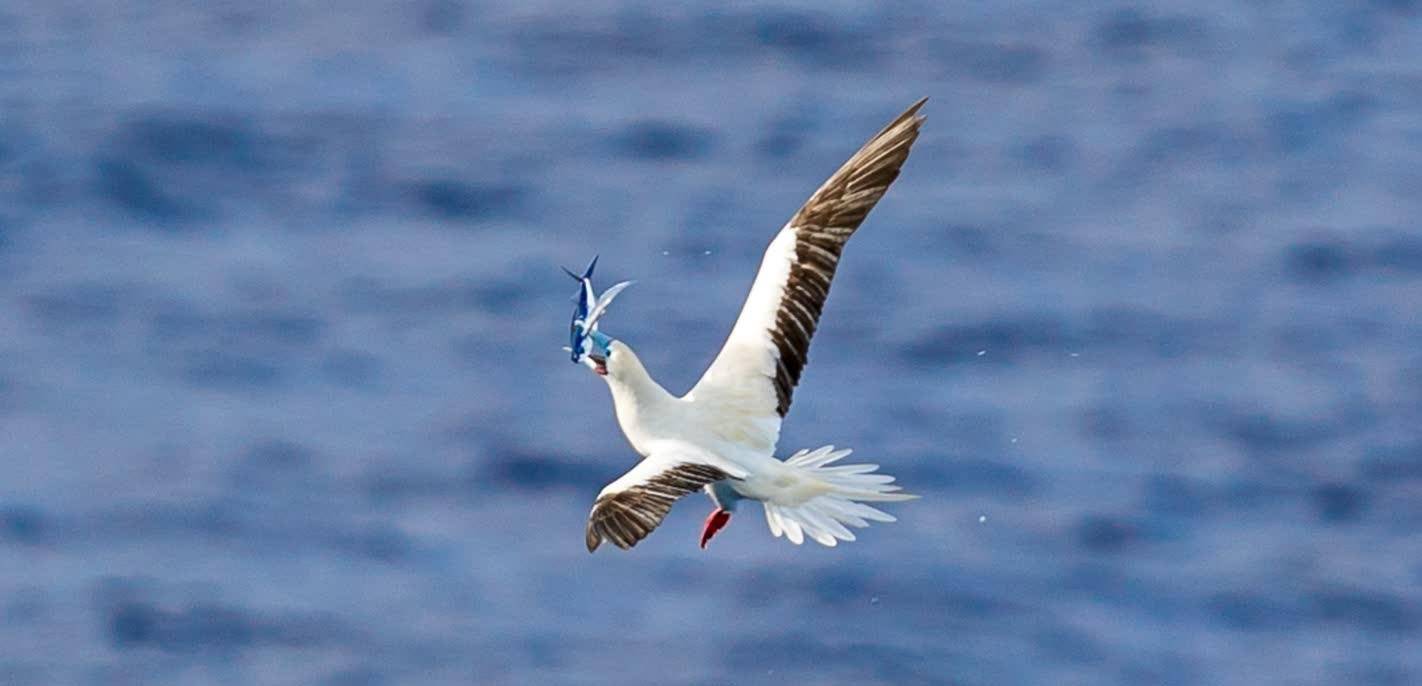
282,399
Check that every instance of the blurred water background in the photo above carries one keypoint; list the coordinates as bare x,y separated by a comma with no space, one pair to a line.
282,400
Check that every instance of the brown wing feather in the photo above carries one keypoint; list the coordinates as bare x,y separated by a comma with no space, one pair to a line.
822,227
629,515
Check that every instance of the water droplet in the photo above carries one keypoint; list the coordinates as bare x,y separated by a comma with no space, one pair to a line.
708,252
981,353
874,600
982,519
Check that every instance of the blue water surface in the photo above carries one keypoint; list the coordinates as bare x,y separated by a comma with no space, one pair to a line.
282,399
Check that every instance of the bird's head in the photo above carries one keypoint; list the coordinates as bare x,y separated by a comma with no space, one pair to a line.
588,346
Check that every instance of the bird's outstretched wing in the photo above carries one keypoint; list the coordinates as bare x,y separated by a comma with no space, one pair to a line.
755,373
631,507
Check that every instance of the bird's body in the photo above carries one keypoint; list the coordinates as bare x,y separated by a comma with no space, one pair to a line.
722,434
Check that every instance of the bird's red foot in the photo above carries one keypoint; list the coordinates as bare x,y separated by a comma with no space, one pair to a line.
714,522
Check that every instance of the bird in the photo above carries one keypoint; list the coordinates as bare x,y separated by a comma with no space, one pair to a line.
720,437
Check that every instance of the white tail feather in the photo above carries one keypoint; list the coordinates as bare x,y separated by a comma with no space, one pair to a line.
823,517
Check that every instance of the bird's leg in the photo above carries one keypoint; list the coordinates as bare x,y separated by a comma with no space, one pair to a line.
714,522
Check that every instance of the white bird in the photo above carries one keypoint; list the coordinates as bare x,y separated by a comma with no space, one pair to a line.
722,434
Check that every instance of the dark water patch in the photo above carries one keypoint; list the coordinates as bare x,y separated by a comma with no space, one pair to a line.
1392,464
824,587
1300,127
660,140
185,140
1103,533
1015,63
812,39
504,296
545,649
1320,261
259,328
1324,260
527,472
272,464
351,369
809,37
213,520
1316,340
968,603
443,17
1264,434
10,394
639,38
1401,254
1163,669
1005,339
378,543
1053,153
1211,144
816,655
1396,6
454,295
1379,673
27,605
468,201
1129,328
232,350
704,226
684,573
388,484
970,241
137,623
1107,423
20,673
840,587
138,191
1249,610
1094,579
278,456
1104,580
232,371
24,525
1339,503
1246,493
1070,645
174,322
966,475
32,175
1131,33
1175,496
358,676
786,135
78,304
1368,610
555,47
177,172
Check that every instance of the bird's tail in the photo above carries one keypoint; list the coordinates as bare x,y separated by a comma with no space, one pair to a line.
839,502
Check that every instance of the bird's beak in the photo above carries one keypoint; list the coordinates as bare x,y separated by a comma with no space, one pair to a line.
598,364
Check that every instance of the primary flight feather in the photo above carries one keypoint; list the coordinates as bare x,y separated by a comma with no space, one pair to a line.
721,435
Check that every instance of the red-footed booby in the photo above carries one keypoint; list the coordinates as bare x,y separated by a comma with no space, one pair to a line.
721,435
